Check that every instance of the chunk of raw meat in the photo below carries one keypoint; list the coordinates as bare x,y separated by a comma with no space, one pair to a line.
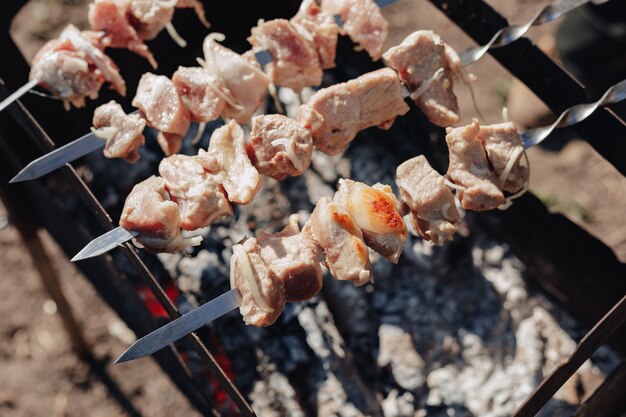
295,63
423,65
320,28
262,296
373,99
341,239
376,211
197,89
470,170
362,21
123,132
292,256
239,177
151,16
434,215
196,191
279,146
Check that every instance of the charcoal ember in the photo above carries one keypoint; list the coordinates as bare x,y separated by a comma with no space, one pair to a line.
398,352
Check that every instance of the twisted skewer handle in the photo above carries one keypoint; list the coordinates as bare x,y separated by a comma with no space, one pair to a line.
512,33
574,115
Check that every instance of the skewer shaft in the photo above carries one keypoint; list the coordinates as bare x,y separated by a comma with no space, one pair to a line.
18,93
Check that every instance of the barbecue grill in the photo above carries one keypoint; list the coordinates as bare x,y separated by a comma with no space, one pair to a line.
585,278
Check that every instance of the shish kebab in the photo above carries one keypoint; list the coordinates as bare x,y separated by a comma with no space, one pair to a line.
482,166
72,69
230,81
323,32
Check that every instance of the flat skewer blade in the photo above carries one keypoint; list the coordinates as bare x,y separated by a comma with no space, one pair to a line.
180,327
59,157
106,242
18,93
384,3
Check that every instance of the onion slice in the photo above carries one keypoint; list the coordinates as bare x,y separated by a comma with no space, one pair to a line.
248,273
290,149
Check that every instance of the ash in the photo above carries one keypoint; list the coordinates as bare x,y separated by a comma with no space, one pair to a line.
451,331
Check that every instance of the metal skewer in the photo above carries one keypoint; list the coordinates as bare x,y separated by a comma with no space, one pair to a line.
18,93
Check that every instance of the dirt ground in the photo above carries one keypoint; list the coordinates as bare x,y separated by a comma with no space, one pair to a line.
39,374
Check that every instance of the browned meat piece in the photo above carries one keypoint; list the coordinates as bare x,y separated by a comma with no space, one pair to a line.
320,28
434,215
376,212
149,211
292,256
149,17
504,151
73,67
469,168
239,177
123,133
262,296
197,89
241,82
362,21
279,146
162,107
341,239
111,17
373,99
198,8
196,191
294,60
423,65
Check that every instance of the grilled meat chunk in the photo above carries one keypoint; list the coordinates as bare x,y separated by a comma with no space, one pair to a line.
336,114
292,255
241,82
320,28
433,213
262,296
504,151
345,253
162,107
149,211
469,168
239,177
196,191
197,89
279,146
112,17
295,63
376,211
73,66
424,66
362,21
123,132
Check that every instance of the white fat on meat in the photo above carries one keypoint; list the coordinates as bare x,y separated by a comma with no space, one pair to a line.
196,191
345,252
470,170
292,255
199,91
320,29
111,17
376,211
427,66
433,212
362,21
295,63
149,211
279,146
261,294
505,151
159,102
151,16
337,113
73,67
239,177
241,83
123,132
